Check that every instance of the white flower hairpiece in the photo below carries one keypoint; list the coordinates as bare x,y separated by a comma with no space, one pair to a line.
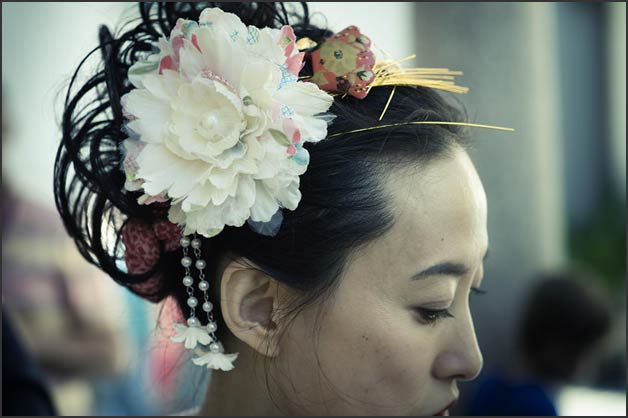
216,360
190,336
217,122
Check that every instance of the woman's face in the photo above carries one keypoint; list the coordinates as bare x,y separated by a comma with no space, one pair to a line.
397,334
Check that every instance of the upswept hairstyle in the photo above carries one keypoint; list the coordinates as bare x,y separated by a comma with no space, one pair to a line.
344,205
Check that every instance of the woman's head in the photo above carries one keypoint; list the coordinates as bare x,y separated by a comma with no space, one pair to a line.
329,300
395,334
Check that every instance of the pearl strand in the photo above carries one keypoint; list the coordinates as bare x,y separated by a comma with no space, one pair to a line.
188,282
203,286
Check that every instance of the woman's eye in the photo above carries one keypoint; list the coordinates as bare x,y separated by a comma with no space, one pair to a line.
432,316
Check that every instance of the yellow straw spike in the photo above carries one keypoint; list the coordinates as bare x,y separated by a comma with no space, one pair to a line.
392,93
391,125
390,73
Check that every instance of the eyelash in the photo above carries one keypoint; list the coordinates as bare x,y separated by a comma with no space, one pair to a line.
432,316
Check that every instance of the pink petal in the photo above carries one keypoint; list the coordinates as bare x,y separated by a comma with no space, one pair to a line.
295,63
177,43
296,137
167,63
286,31
195,42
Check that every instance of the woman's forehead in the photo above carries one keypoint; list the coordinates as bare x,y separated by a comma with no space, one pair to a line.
440,212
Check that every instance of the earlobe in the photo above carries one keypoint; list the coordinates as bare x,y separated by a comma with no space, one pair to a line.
248,304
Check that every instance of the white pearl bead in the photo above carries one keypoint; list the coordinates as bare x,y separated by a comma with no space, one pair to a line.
193,322
208,306
188,281
196,243
211,327
185,242
186,261
203,285
192,302
200,264
214,348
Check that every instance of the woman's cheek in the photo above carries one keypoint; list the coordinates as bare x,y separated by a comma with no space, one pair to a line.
382,361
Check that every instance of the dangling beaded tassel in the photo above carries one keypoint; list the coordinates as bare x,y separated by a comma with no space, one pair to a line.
194,335
203,286
188,282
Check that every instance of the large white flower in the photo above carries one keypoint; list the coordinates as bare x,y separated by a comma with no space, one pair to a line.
218,118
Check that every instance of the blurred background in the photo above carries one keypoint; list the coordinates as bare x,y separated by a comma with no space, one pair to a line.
556,72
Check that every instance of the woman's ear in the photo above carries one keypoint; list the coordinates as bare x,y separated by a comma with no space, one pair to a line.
249,300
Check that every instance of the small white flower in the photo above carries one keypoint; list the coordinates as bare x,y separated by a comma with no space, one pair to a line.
191,336
216,361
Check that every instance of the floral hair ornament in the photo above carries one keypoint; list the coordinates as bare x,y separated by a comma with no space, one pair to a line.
217,121
345,64
216,125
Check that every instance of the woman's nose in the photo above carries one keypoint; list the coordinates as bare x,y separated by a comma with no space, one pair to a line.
460,357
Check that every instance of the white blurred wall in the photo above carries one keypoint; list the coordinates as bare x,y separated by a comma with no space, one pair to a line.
390,25
42,43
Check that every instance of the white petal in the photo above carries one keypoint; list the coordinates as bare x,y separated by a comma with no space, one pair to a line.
265,204
190,61
312,129
220,56
190,343
205,339
163,86
290,196
221,20
200,335
216,361
202,194
152,115
163,171
305,98
267,44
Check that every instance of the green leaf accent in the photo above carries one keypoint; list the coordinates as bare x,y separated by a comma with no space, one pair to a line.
285,41
364,75
213,232
280,137
247,100
143,67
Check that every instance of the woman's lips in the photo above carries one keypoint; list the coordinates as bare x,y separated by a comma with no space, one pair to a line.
445,412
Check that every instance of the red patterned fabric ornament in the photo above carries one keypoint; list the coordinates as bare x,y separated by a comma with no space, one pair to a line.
344,63
141,241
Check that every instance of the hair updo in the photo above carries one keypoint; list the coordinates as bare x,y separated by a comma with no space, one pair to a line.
343,204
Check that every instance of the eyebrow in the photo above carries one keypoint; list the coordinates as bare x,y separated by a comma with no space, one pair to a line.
445,269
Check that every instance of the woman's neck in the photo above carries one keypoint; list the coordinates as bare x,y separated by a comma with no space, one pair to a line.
242,390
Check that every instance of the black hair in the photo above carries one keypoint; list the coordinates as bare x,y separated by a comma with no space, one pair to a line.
344,205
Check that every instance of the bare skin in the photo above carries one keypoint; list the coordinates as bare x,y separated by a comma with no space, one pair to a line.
378,348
